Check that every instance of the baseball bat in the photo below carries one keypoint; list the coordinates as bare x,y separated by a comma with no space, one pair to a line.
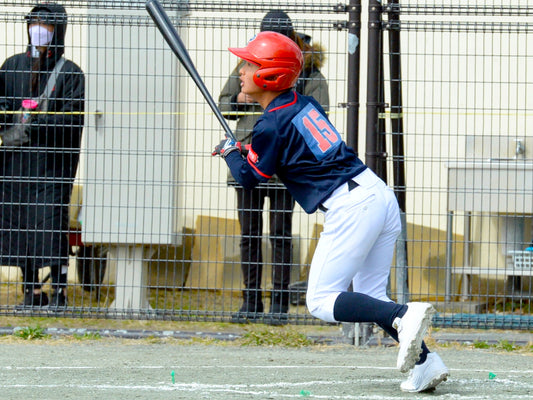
163,23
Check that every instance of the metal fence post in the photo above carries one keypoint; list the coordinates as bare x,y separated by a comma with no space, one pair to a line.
354,332
398,160
373,102
354,66
374,97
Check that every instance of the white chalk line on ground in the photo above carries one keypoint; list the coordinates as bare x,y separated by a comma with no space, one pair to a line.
254,390
272,389
305,366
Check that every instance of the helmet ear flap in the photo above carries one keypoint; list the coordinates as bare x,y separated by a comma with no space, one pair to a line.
274,78
279,58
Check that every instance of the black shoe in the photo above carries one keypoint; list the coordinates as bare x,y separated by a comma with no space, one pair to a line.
59,299
33,299
248,313
276,319
278,315
279,309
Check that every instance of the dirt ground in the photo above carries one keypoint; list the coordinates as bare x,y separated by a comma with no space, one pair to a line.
142,369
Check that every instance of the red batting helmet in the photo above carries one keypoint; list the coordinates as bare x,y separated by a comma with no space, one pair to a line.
278,57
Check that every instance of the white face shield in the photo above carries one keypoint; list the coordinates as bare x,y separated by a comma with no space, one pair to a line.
40,36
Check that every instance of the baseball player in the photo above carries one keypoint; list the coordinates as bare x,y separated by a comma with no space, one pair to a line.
295,140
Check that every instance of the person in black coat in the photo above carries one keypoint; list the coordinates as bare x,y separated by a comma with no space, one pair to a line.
39,156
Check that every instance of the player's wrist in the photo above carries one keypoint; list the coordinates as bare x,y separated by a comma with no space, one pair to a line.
230,149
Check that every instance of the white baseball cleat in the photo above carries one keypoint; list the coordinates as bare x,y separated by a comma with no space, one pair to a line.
411,329
426,376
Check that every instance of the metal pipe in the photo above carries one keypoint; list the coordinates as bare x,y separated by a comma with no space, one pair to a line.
373,82
396,106
449,249
354,67
398,152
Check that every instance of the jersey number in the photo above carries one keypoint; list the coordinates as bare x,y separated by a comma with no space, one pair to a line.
320,130
319,134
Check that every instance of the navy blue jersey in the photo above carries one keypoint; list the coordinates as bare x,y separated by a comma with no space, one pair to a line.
295,140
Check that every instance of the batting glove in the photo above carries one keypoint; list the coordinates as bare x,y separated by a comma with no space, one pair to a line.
225,147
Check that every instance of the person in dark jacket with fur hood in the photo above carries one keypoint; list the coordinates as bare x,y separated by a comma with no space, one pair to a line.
39,154
235,105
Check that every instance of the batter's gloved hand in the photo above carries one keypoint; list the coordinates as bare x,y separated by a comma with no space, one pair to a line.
225,147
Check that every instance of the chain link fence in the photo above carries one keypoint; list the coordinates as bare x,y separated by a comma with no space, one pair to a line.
434,97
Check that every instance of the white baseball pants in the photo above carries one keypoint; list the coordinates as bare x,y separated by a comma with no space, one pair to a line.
357,245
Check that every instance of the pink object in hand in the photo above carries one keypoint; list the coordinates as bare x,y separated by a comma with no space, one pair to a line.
29,104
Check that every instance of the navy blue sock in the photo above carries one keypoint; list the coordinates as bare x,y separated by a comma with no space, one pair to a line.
358,307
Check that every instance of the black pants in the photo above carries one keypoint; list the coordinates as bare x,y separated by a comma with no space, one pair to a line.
250,207
33,227
30,276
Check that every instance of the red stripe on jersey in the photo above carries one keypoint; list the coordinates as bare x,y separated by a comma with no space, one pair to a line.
285,105
252,155
252,163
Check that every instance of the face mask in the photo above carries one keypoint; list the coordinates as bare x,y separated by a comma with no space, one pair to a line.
39,36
